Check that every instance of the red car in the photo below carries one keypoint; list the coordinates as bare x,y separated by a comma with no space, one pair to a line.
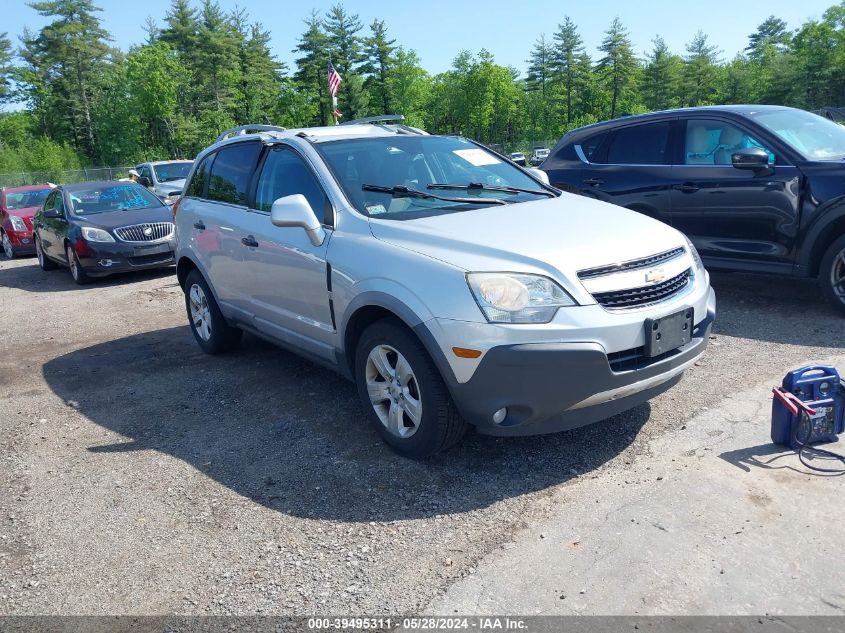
17,206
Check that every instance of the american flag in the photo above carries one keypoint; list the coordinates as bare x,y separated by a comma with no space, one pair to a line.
334,80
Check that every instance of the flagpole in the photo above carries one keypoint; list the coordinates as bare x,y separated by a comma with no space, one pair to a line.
334,110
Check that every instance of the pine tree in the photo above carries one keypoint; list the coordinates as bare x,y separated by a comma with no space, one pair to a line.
539,80
772,31
378,65
345,45
5,67
661,77
182,28
567,50
700,71
261,76
216,69
312,70
618,67
71,53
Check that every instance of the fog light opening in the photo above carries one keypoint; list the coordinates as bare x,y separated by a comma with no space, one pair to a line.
105,263
500,415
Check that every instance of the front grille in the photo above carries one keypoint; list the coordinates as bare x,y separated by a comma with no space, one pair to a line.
150,232
645,295
634,264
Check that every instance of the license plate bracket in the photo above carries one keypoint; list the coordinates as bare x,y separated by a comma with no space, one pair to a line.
667,333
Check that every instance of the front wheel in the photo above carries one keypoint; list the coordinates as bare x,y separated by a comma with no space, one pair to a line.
403,393
832,273
209,326
76,271
8,249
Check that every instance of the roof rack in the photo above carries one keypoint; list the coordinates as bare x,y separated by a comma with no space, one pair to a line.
376,119
248,129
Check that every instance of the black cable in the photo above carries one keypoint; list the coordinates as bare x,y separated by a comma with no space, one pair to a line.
802,446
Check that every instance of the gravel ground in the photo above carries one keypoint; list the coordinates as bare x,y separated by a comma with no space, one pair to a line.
139,476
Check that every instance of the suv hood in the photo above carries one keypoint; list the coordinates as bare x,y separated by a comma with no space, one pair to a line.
172,185
554,236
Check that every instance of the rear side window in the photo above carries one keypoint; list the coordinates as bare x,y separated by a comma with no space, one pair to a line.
231,173
639,145
591,146
197,186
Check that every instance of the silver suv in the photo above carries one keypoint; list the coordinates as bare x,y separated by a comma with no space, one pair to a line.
164,177
451,285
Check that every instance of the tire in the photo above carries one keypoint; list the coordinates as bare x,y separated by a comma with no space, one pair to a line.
414,414
832,274
76,271
210,329
8,249
44,262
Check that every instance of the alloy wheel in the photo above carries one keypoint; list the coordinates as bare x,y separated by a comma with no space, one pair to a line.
72,264
394,391
39,253
200,312
837,276
7,247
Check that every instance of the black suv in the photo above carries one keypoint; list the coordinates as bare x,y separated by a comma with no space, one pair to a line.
756,188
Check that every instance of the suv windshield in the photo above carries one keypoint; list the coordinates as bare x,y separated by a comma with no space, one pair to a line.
172,171
813,136
26,199
112,198
406,168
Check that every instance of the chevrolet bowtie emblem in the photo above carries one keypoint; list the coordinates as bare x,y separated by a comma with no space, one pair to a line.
655,276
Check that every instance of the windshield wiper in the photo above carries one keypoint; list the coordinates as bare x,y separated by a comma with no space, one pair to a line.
401,191
480,185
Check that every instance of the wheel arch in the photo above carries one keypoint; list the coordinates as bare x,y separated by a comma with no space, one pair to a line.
820,237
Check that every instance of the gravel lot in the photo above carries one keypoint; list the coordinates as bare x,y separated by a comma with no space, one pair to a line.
139,476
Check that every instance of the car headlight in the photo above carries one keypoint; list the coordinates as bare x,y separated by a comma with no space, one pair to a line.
17,223
92,234
516,298
694,252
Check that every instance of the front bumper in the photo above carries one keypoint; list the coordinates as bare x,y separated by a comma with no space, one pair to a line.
550,387
21,241
119,257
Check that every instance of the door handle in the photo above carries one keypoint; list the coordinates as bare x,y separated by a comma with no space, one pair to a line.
249,241
594,182
199,225
687,187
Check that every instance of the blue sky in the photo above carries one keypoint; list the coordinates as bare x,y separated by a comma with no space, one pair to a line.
439,29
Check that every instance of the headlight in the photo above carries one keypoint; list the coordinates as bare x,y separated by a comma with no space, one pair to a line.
17,223
515,298
96,235
695,256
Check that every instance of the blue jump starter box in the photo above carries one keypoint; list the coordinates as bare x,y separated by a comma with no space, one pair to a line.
819,388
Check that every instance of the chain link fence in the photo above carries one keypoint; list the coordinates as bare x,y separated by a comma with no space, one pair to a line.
60,177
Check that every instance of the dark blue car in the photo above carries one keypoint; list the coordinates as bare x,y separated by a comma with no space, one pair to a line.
756,188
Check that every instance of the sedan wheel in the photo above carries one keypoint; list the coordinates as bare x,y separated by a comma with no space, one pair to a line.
43,261
8,249
394,391
76,271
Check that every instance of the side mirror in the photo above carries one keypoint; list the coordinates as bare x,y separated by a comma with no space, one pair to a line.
51,214
752,158
295,211
172,197
539,174
144,181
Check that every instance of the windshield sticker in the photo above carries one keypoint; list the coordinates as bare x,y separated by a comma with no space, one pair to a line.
376,209
477,157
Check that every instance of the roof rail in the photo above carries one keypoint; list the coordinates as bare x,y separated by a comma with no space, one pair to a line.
247,129
376,119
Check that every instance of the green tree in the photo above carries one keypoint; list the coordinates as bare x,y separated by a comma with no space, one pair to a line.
701,71
182,28
216,68
539,80
378,66
772,31
618,68
5,67
410,86
312,71
261,76
345,46
67,57
567,50
661,77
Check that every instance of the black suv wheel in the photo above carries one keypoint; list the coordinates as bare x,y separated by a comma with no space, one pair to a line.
832,273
